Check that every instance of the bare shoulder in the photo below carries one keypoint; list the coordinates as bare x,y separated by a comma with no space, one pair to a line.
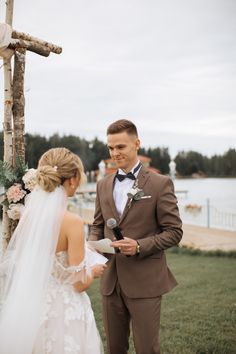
72,217
73,229
72,224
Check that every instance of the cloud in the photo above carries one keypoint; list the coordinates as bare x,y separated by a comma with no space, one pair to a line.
170,66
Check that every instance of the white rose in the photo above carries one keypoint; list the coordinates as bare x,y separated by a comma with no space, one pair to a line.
29,179
15,210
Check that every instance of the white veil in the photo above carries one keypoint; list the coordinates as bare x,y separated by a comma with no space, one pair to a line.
27,264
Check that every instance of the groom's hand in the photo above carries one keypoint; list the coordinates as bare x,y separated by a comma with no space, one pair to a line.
127,246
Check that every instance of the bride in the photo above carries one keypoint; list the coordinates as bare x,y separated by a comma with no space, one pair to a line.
47,267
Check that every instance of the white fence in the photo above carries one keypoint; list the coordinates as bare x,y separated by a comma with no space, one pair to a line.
199,213
207,215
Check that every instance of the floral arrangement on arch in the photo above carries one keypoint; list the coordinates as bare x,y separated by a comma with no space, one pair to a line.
18,182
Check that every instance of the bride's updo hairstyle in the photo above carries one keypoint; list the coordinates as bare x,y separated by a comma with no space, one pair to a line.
57,165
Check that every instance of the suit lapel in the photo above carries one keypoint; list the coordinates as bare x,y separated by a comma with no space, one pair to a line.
110,184
143,176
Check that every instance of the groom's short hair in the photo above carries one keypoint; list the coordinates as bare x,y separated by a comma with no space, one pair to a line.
122,125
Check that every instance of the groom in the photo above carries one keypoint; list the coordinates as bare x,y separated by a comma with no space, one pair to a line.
137,274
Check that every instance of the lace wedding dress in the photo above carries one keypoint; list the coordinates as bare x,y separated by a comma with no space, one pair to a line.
40,311
68,325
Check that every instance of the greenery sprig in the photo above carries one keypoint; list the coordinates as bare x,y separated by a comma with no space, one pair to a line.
10,175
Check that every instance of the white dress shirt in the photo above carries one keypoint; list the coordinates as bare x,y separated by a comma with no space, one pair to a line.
121,188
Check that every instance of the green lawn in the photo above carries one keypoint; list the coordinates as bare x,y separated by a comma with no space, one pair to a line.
198,316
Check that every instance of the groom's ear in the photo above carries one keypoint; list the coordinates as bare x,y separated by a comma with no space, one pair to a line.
137,143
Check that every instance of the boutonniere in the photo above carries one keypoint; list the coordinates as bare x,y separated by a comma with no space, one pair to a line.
136,193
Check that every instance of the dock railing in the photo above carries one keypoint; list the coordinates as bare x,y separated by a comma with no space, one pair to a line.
207,214
199,213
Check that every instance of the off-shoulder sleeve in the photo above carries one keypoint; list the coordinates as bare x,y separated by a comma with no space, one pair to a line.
77,273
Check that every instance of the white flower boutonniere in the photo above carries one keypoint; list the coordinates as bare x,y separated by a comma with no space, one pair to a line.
136,194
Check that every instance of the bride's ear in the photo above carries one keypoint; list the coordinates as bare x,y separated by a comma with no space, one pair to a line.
70,186
71,182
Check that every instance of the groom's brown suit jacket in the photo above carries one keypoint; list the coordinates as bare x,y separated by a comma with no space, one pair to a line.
154,222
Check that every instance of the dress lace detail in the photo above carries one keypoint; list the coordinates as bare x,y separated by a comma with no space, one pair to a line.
67,325
65,274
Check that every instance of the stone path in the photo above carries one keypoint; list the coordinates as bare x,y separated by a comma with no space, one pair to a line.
208,239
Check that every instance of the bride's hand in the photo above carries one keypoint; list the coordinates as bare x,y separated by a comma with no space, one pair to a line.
98,270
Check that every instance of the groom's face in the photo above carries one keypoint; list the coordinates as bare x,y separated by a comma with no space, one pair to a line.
123,149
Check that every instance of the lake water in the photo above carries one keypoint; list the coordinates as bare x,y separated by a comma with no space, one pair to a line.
207,202
221,192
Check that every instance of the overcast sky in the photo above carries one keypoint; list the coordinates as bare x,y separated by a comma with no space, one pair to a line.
169,66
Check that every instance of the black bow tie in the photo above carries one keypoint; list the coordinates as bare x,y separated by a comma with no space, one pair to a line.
129,175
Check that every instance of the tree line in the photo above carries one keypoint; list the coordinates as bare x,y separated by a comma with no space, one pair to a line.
92,152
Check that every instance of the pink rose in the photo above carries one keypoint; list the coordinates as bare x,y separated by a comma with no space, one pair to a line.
15,193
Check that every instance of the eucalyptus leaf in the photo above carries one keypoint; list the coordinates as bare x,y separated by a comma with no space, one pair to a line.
7,174
138,195
5,202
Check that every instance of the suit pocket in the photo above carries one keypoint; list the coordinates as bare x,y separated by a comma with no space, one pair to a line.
144,200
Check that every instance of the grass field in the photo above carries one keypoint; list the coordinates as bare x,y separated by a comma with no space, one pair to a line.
198,316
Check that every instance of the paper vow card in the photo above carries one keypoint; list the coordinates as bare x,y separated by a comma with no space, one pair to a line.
102,246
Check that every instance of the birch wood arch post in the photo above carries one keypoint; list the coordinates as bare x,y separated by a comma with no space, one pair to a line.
18,107
14,100
7,124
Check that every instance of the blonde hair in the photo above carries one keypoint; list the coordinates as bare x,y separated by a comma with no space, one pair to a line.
57,165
